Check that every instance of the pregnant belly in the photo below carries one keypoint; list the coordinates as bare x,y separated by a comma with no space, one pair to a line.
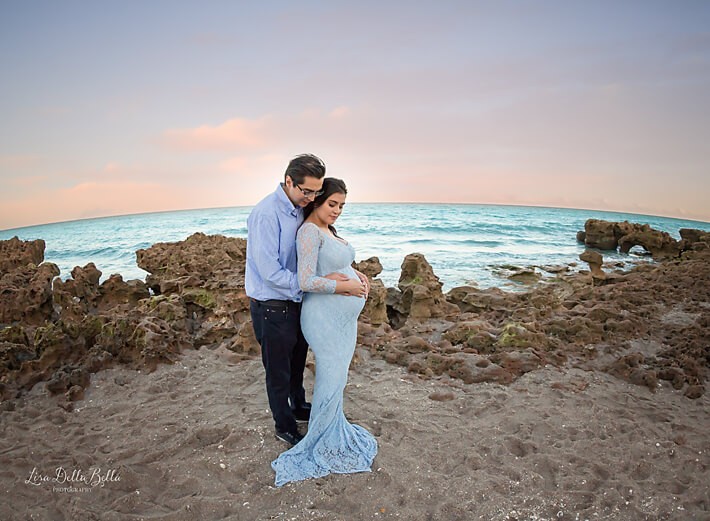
329,324
331,307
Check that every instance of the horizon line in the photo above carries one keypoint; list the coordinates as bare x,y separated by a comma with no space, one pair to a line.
528,205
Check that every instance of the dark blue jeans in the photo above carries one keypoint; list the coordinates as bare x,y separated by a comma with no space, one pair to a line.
277,327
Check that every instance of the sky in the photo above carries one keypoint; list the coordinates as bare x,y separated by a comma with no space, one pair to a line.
110,108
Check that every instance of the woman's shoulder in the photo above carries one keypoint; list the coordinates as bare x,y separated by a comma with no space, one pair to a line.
308,229
307,225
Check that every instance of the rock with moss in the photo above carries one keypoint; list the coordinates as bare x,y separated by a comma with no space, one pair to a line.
421,296
15,254
26,294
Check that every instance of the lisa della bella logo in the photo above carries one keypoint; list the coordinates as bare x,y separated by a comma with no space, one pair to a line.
93,478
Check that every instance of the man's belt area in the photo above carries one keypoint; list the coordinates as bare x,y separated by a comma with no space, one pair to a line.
275,303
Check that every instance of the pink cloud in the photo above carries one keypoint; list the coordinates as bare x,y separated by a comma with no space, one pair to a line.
339,112
233,134
243,135
112,167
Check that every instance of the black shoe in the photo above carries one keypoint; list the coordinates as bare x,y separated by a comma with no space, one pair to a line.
303,413
292,438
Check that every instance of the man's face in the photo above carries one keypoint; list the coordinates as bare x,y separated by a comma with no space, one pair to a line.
304,193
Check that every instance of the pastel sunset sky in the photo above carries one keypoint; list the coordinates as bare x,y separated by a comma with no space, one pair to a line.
111,108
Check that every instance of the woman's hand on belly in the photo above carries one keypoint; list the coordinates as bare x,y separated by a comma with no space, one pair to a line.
352,288
337,276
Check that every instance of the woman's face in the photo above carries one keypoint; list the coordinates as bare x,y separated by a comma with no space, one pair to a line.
331,209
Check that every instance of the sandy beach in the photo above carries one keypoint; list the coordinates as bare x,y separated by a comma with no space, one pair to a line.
193,440
122,406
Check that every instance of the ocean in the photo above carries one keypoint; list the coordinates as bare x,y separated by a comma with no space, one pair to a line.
464,243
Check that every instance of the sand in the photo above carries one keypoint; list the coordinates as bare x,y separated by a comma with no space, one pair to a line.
194,441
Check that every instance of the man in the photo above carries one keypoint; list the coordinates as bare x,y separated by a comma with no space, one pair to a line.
275,296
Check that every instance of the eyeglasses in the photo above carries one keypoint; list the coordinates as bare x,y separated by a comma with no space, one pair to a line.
309,193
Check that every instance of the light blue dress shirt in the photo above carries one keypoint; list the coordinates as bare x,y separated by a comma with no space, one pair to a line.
271,249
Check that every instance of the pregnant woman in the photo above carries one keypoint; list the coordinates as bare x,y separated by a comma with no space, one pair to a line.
329,323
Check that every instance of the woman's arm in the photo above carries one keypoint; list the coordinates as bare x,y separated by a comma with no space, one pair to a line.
308,244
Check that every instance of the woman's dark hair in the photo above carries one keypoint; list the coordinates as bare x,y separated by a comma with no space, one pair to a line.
331,186
305,165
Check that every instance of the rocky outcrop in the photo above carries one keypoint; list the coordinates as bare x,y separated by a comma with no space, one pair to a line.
602,235
472,299
419,295
26,293
637,328
207,272
520,275
649,326
15,253
198,261
62,331
696,240
375,310
606,235
595,261
82,294
659,244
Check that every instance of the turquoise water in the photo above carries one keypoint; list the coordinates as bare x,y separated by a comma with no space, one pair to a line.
465,244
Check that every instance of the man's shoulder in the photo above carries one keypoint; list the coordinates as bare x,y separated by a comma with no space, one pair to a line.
268,206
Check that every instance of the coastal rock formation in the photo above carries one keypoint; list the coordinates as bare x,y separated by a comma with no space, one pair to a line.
26,291
207,272
696,240
15,253
115,292
472,333
61,336
518,274
606,235
200,260
659,244
82,294
595,261
419,296
376,306
602,235
636,329
649,326
63,331
472,299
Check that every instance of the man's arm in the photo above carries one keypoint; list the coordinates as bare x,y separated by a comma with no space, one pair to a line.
266,234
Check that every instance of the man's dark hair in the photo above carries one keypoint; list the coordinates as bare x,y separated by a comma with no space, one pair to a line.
305,165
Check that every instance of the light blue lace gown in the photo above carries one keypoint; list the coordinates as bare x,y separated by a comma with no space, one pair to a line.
329,324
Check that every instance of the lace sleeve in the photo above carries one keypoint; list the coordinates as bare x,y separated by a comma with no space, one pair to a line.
308,243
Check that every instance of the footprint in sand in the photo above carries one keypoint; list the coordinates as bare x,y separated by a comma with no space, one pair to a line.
519,448
206,436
